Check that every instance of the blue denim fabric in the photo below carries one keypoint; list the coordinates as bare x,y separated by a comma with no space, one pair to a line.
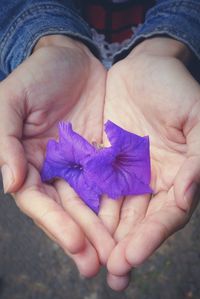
178,19
22,23
2,76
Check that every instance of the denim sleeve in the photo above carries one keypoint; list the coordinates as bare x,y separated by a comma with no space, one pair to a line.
22,23
179,19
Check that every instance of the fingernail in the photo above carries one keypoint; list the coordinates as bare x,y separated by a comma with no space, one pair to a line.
189,194
7,177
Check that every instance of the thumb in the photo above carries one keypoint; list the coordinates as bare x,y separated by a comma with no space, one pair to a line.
187,181
12,157
187,185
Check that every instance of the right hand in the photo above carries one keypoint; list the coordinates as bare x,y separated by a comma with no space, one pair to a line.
59,81
151,92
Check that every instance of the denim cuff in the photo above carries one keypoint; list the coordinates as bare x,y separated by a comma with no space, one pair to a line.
36,21
177,19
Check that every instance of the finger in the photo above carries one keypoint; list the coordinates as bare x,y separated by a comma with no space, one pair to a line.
156,227
133,211
162,219
12,159
187,185
86,259
110,213
118,283
117,263
92,226
48,214
188,178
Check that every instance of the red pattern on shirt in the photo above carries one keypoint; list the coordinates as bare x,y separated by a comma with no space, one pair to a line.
115,20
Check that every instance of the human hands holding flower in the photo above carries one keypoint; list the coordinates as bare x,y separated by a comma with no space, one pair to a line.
151,92
147,94
137,89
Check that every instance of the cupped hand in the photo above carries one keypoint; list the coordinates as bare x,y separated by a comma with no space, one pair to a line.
57,82
155,96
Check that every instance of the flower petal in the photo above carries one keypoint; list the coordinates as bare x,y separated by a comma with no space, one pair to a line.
63,160
89,194
133,149
114,181
55,164
124,168
74,147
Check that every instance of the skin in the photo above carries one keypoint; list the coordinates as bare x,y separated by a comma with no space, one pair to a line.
150,92
61,80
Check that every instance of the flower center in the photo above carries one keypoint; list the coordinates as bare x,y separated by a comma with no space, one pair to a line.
98,146
76,166
123,161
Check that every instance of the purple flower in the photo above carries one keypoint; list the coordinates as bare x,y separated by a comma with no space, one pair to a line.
124,168
119,170
65,159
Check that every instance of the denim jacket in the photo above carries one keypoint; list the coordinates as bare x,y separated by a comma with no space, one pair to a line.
23,23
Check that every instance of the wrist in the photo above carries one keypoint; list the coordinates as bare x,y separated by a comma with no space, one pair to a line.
61,41
163,47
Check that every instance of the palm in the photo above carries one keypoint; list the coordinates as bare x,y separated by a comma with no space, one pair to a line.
58,84
158,100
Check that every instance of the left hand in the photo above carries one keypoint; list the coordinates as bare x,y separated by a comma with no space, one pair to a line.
153,95
61,80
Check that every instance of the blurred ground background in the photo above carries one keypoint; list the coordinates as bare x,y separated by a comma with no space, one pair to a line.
33,267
